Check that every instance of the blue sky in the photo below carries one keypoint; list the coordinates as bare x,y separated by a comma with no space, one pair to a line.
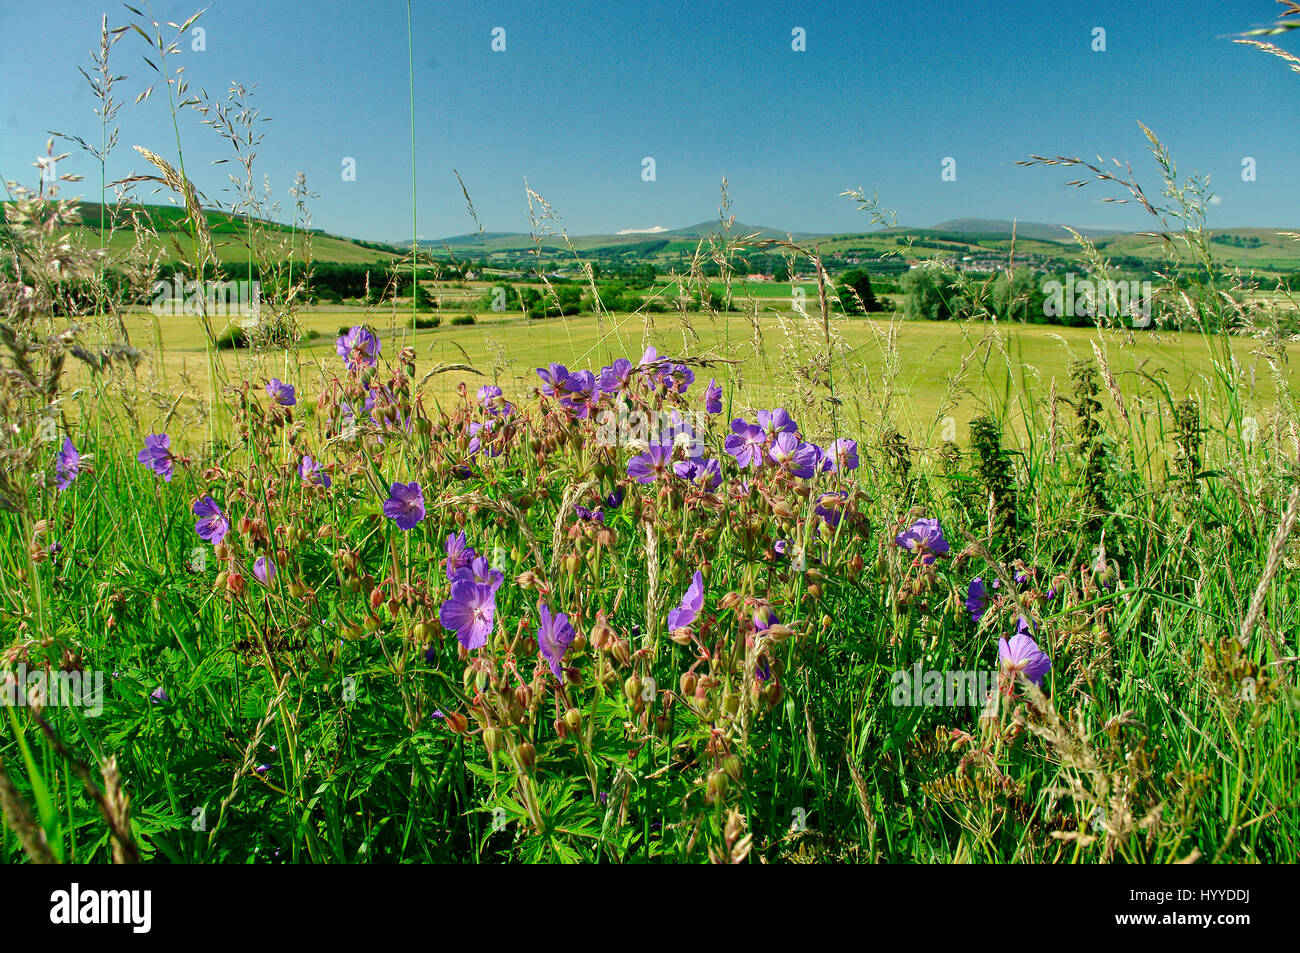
584,91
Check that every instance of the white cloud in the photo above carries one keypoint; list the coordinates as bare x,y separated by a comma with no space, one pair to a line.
652,230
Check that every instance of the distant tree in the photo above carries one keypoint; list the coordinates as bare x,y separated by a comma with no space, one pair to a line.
856,296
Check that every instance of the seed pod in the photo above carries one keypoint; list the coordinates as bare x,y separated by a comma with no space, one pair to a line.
525,754
573,719
492,739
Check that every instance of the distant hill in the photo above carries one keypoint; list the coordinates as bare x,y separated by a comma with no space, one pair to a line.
998,228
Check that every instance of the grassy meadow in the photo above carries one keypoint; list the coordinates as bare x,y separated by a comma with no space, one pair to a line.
752,586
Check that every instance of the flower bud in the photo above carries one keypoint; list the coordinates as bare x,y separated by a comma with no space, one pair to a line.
492,739
456,722
573,719
525,754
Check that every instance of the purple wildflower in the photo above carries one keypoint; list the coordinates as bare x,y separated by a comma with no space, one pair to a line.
264,571
746,443
159,695
557,382
713,397
554,636
793,456
830,506
282,393
977,598
212,524
312,471
924,538
703,473
459,554
582,385
67,464
358,348
773,422
157,455
689,610
617,377
405,505
494,402
649,466
1022,656
842,455
480,570
615,498
469,612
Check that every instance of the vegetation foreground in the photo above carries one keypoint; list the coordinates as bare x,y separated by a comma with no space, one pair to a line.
748,599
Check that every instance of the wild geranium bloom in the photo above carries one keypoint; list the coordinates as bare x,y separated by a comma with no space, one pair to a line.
765,618
843,455
554,636
312,471
830,506
615,498
157,455
793,456
651,465
583,392
469,612
405,505
713,397
617,377
557,382
494,401
746,443
924,538
264,570
1022,656
159,695
773,422
212,524
282,393
704,473
689,610
977,598
481,571
67,464
358,348
677,377
480,433
459,554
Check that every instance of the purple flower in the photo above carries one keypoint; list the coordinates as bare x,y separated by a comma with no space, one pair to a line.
469,612
746,443
557,382
493,400
924,538
481,432
843,455
312,471
1022,656
764,619
263,768
616,377
649,466
554,636
212,524
459,554
677,377
615,498
773,422
358,348
67,464
582,385
977,598
480,570
793,456
704,473
713,397
281,392
686,613
405,505
159,695
157,455
830,506
583,513
264,571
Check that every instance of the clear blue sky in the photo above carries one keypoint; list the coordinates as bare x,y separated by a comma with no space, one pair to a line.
584,91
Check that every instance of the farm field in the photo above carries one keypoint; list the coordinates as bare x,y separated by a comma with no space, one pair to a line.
529,545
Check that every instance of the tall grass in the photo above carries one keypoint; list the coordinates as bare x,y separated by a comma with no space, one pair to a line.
1144,534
